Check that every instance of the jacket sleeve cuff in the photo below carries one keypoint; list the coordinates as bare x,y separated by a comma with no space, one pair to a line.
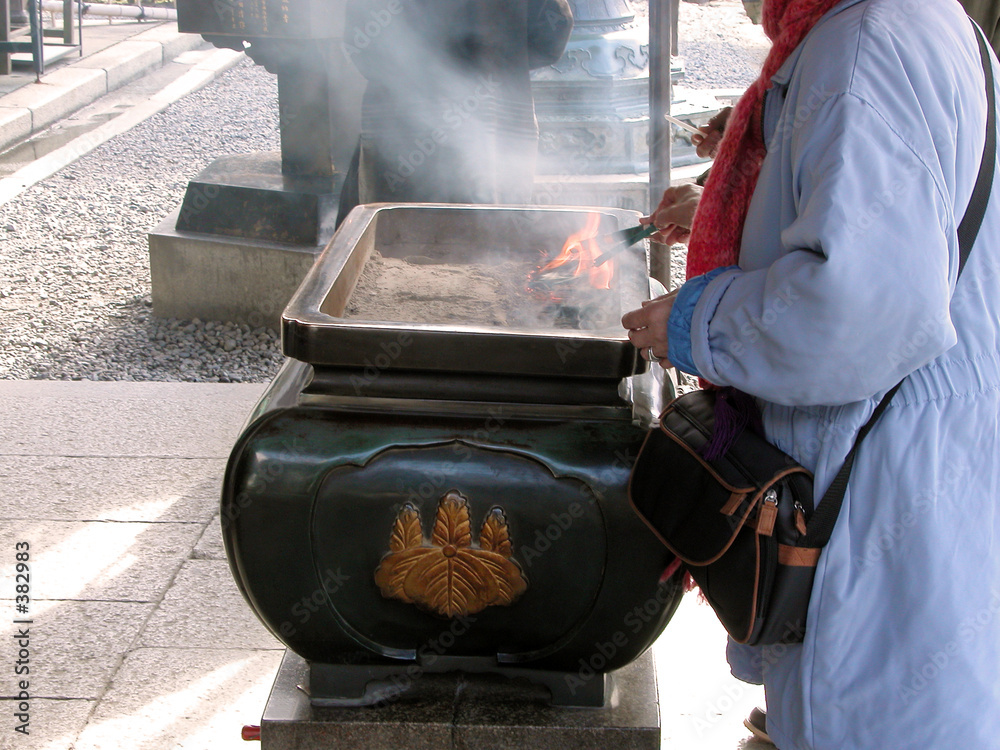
679,323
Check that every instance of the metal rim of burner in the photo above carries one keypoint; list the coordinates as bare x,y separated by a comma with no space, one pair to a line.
313,330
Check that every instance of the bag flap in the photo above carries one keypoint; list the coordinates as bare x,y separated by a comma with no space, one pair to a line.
750,464
688,509
694,506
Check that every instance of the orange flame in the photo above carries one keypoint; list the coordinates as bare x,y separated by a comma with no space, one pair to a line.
580,246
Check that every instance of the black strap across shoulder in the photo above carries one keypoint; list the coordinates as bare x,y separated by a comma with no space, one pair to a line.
976,210
821,524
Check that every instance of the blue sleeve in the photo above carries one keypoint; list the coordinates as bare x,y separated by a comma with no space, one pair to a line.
679,324
859,294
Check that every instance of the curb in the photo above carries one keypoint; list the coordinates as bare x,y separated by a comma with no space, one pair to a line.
199,75
35,106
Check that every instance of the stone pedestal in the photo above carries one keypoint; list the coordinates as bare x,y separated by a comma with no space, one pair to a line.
213,277
450,711
250,226
593,115
18,17
629,191
242,240
250,196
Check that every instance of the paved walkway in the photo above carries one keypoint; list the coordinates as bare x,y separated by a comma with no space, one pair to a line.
139,638
114,55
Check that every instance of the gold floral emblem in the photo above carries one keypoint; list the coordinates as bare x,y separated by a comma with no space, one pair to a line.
449,576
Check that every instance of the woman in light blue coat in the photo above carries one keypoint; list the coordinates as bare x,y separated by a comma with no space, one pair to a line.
874,128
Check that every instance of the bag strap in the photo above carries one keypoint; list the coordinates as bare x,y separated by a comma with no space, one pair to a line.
820,526
976,210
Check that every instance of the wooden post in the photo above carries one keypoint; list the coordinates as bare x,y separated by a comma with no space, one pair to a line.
675,22
4,36
18,17
37,37
660,37
67,13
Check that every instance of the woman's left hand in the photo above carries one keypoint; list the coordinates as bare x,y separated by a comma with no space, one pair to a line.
647,328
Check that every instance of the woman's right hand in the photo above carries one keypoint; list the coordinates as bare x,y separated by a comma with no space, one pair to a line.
674,215
707,145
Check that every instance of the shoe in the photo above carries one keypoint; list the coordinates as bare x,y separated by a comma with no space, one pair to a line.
756,722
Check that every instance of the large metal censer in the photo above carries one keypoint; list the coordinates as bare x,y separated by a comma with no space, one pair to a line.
419,497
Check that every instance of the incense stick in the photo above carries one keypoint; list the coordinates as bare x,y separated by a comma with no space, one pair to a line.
684,125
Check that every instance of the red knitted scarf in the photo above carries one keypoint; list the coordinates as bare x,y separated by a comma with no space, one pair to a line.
718,223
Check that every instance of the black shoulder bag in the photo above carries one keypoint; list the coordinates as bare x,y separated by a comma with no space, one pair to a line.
743,524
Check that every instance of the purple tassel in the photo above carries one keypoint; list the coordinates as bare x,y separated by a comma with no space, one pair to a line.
735,411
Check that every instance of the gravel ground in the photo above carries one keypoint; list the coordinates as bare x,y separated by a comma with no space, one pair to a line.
74,283
74,265
721,48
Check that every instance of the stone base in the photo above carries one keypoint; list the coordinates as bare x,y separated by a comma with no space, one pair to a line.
211,277
375,684
593,144
248,196
629,191
450,711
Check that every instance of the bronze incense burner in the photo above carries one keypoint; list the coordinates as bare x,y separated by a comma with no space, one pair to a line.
418,496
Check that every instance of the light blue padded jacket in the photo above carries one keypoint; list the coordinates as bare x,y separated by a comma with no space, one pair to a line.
847,283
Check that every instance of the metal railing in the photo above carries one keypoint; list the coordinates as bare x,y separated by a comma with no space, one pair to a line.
117,10
12,40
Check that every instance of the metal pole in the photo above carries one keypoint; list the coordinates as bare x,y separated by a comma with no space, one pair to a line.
660,37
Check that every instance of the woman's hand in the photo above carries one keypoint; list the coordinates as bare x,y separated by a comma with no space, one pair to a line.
675,213
647,328
707,145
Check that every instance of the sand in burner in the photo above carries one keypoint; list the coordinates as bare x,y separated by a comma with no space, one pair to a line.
417,289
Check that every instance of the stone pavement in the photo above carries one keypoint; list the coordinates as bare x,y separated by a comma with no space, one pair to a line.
139,639
114,54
